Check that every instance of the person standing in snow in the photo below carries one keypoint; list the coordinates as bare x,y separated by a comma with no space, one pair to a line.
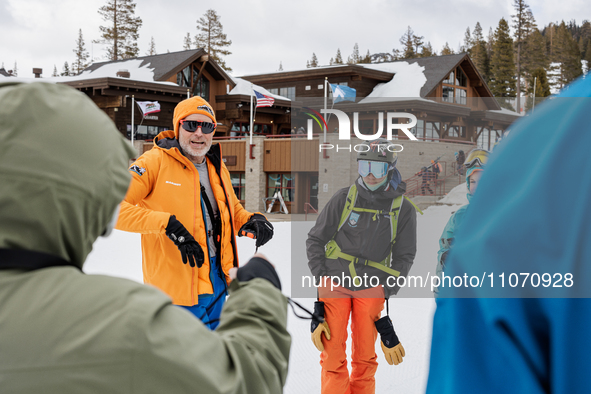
66,332
366,230
531,217
474,164
182,201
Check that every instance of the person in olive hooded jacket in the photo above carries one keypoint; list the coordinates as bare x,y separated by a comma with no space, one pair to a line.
63,170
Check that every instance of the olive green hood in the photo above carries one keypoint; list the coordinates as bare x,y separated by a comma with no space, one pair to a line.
63,170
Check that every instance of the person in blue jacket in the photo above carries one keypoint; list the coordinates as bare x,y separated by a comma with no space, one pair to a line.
474,164
530,219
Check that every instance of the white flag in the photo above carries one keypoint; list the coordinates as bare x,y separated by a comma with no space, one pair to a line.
149,107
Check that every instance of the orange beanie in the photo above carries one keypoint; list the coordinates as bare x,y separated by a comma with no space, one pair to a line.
193,105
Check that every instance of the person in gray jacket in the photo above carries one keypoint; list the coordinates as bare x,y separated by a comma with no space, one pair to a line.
63,170
363,240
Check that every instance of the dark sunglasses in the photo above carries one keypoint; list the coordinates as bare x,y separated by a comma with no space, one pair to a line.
192,125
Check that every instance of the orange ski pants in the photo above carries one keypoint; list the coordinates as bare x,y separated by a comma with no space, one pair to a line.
364,307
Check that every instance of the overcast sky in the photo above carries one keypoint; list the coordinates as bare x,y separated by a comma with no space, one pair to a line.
39,33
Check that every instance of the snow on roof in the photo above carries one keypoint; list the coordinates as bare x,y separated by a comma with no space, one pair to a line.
407,82
243,87
506,111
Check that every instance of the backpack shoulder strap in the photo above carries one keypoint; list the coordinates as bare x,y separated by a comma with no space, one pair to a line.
349,204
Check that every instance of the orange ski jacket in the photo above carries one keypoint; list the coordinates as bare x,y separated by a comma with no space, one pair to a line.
165,183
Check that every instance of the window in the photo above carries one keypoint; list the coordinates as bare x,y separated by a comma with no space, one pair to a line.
143,132
183,78
288,92
483,138
273,90
461,79
448,94
432,131
240,128
450,78
456,93
308,87
238,184
344,83
456,131
461,95
201,87
283,183
366,127
419,130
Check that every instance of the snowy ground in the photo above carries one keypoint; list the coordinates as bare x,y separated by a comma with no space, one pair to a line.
120,255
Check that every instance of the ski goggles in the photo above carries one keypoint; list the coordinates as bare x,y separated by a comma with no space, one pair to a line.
476,158
192,125
379,169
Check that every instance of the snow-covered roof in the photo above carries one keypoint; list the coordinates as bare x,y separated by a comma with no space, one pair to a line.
243,87
407,82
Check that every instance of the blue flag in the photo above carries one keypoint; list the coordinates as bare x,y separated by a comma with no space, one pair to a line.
342,93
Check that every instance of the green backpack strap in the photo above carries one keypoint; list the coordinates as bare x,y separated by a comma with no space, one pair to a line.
349,204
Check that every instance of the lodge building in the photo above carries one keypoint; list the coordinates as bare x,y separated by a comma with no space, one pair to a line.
452,104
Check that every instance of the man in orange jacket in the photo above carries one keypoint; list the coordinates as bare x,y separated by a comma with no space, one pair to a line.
181,199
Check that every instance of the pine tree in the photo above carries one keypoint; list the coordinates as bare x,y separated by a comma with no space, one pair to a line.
534,54
407,41
427,50
307,64
212,37
314,61
152,50
521,26
468,43
122,32
338,58
502,76
187,42
447,50
478,52
566,52
55,74
490,42
65,70
15,70
280,66
354,58
367,58
588,55
81,53
538,86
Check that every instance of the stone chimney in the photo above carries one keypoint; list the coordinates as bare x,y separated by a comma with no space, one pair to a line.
123,74
37,72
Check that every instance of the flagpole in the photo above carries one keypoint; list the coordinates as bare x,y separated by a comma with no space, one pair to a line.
325,98
132,118
251,120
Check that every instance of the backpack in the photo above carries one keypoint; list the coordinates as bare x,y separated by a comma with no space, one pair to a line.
333,251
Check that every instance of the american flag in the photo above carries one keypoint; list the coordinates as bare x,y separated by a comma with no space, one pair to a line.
264,101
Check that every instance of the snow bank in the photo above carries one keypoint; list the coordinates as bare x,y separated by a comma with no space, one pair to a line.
457,195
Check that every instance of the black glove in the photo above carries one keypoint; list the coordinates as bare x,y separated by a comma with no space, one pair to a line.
391,346
258,227
318,317
258,268
190,250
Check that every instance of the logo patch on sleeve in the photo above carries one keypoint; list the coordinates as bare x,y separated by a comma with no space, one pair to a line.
138,170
